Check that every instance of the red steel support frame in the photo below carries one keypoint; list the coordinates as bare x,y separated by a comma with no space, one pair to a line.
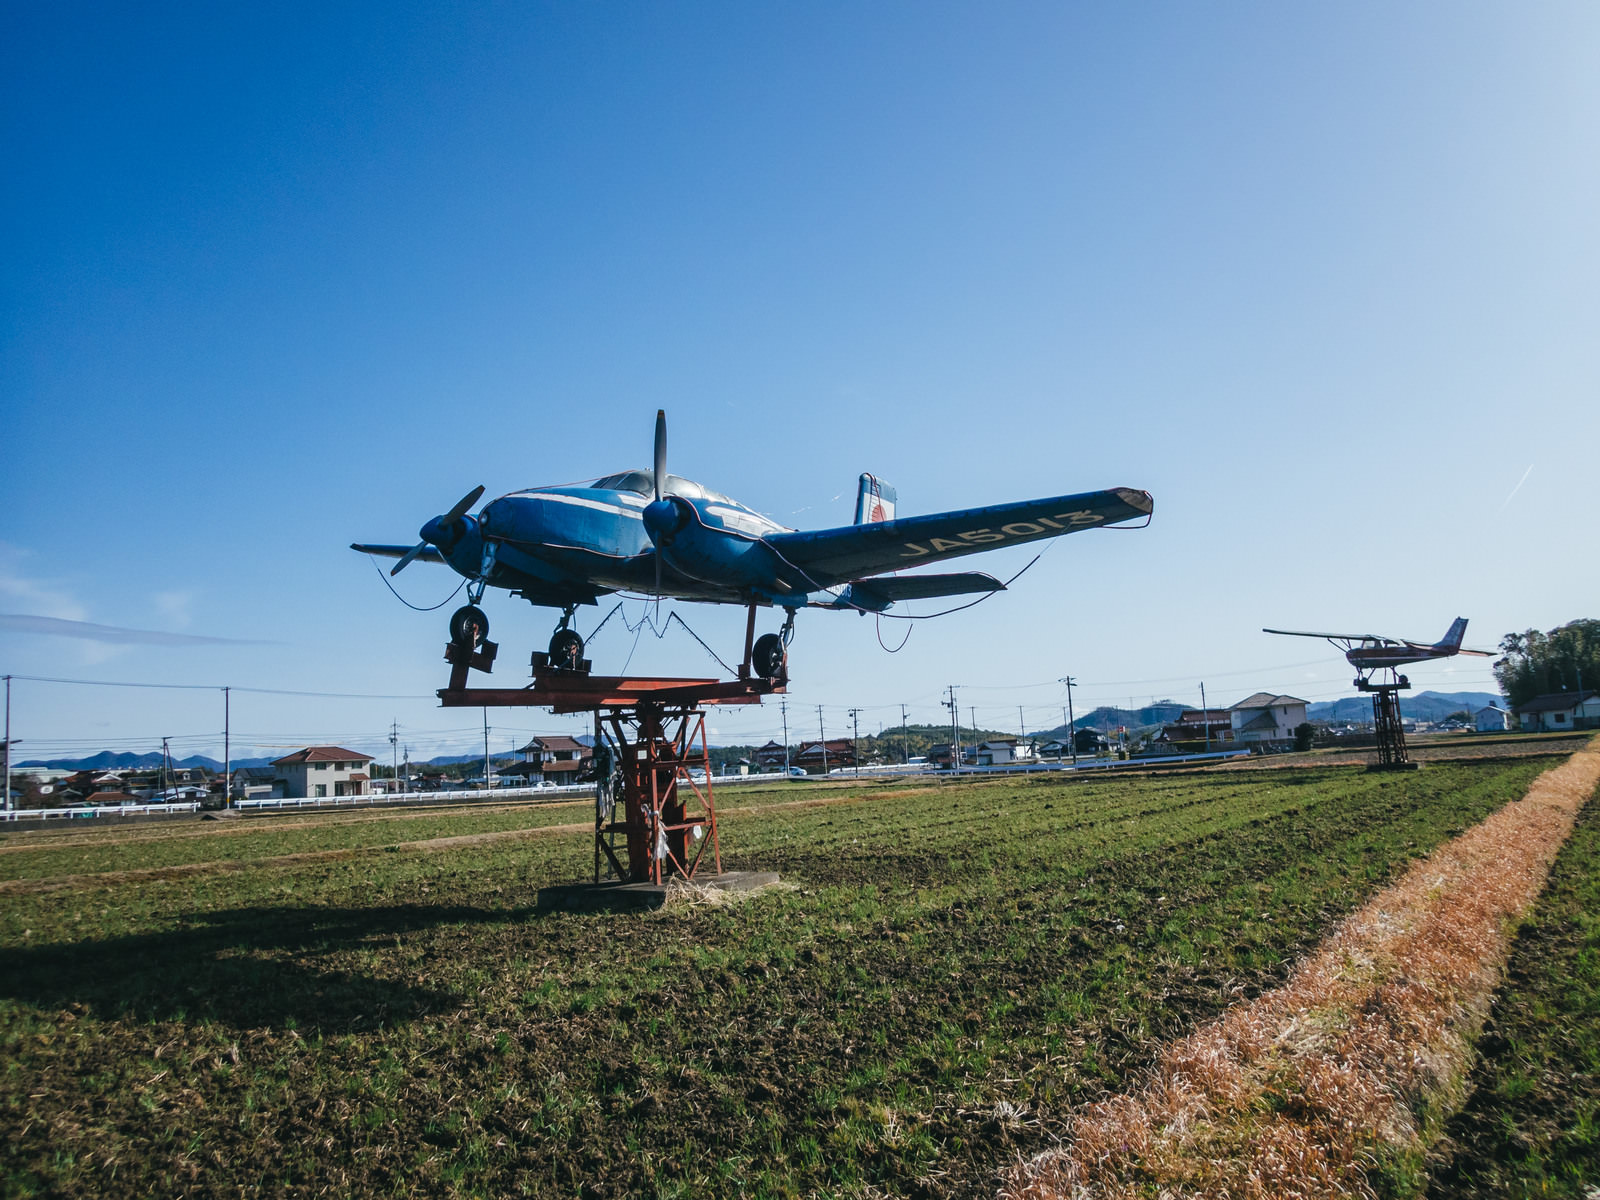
669,818
655,732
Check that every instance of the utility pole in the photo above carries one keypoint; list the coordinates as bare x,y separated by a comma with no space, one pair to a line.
905,737
1072,734
166,769
1022,722
227,750
822,734
8,744
394,756
486,749
783,707
955,731
1205,715
855,739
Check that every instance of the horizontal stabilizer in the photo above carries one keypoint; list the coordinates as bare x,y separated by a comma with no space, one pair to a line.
427,554
878,594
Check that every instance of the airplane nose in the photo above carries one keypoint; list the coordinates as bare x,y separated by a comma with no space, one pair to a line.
664,518
442,533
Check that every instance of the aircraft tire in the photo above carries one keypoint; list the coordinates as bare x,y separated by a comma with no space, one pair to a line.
767,656
469,626
566,650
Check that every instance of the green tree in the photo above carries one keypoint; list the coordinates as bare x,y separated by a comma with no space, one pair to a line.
1538,664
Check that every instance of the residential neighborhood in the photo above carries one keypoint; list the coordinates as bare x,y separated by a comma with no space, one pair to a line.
1264,723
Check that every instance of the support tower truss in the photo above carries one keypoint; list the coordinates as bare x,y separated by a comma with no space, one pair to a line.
649,797
1386,721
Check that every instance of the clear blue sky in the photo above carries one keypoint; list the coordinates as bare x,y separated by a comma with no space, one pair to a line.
1323,279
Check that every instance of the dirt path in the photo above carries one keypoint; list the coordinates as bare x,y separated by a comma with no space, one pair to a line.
1303,1090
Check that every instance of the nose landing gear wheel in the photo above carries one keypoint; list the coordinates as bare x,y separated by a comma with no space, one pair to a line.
767,656
566,650
469,626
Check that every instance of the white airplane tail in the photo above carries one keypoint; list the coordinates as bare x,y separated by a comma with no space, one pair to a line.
875,501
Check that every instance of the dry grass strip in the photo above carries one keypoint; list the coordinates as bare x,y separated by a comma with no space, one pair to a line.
1299,1092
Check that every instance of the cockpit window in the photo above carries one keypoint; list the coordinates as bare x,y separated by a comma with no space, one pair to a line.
642,483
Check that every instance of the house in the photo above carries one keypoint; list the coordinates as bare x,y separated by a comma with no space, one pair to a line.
1198,726
1265,719
1053,748
1090,741
110,799
818,758
252,783
771,757
321,771
558,759
1560,712
997,752
1492,719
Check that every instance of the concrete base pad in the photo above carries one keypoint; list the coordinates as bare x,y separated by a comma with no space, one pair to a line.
612,896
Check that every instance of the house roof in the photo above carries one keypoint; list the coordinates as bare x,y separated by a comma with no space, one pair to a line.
1494,708
554,743
109,798
320,754
1265,700
1556,702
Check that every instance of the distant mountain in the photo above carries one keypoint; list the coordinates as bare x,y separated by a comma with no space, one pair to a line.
1424,706
128,761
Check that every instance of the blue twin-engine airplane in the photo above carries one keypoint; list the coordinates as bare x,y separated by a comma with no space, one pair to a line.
648,532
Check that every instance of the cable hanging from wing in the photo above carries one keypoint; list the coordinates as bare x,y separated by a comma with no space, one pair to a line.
403,600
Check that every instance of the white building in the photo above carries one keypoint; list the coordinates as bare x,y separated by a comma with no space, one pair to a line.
322,771
1492,719
997,752
1560,712
1264,718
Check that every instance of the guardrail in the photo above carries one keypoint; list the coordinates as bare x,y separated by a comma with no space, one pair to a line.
99,810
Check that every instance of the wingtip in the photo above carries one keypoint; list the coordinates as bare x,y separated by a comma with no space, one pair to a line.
1137,498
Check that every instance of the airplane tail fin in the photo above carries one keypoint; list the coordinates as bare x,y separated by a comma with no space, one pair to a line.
1458,630
875,501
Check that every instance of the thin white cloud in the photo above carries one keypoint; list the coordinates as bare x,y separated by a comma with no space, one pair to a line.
114,635
1516,489
18,590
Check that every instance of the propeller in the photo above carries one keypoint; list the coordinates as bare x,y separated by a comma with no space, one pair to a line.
660,473
665,515
433,532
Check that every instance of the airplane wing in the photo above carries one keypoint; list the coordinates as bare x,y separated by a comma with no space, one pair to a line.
429,554
827,557
875,595
1353,637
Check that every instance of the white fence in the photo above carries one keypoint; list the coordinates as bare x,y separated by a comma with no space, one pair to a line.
107,810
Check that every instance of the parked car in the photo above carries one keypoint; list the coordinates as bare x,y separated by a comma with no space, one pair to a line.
797,772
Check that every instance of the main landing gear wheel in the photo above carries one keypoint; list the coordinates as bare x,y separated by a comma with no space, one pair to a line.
767,656
469,626
566,650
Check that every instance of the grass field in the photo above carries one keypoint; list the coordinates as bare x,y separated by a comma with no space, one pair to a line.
344,1003
1531,1126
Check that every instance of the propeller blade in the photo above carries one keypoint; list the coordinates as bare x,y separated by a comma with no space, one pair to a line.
661,451
466,502
429,530
406,559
